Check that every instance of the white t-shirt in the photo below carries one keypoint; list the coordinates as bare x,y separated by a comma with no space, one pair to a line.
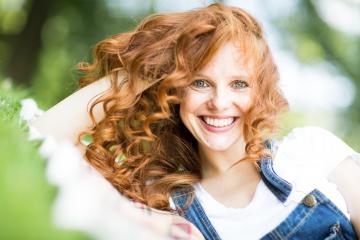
305,157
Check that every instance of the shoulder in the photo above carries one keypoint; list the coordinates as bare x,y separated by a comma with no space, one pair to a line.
309,133
68,118
316,139
313,137
313,147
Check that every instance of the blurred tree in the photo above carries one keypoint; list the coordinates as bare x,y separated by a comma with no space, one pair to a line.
56,36
26,45
312,39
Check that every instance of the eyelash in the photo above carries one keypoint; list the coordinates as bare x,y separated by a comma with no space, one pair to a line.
199,80
243,83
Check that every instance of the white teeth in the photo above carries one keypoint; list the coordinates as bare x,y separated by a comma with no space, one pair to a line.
219,122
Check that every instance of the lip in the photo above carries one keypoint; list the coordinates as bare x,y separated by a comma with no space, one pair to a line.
217,129
217,116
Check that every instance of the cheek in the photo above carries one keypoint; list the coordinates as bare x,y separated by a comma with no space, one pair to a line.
191,102
185,107
245,102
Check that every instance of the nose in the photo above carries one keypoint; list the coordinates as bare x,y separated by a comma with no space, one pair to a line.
220,100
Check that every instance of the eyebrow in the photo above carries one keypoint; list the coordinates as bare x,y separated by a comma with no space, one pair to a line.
237,77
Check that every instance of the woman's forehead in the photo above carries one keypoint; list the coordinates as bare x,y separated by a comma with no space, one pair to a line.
229,60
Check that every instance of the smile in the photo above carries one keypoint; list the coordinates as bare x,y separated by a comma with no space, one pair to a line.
217,124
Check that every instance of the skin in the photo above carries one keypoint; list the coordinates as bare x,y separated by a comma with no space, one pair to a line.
222,89
344,176
217,155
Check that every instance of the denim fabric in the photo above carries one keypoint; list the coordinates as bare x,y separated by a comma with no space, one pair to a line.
317,219
195,214
323,220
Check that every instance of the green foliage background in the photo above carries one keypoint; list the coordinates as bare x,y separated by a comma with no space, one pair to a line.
25,195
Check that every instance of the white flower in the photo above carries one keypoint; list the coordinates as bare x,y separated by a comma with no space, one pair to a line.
29,110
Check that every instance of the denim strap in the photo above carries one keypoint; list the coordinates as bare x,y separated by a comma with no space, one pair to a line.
277,185
195,214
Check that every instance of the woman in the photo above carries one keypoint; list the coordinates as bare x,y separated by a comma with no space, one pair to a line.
186,123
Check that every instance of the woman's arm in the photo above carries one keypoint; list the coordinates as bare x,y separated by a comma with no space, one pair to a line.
68,118
346,176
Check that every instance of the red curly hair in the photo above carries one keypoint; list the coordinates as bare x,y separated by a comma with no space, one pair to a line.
147,68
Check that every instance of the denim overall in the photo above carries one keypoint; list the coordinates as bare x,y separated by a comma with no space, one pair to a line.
315,218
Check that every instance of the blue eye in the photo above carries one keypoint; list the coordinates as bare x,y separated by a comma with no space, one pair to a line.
240,84
200,83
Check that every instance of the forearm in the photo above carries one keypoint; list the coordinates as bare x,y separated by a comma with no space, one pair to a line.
356,223
344,176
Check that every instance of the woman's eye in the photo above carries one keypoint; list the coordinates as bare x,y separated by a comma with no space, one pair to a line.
240,84
200,83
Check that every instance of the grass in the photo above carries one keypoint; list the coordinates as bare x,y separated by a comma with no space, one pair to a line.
26,197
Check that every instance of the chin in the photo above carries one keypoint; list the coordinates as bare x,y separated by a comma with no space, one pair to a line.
218,147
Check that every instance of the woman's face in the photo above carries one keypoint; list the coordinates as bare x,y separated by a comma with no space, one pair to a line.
216,101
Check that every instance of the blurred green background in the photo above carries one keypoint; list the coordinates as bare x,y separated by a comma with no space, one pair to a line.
41,41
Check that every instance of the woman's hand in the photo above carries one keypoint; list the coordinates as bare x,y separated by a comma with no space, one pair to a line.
170,224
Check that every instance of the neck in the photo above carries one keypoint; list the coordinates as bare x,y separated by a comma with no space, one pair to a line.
218,163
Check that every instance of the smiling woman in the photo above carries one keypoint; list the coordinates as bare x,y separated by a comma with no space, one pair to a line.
218,104
184,121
